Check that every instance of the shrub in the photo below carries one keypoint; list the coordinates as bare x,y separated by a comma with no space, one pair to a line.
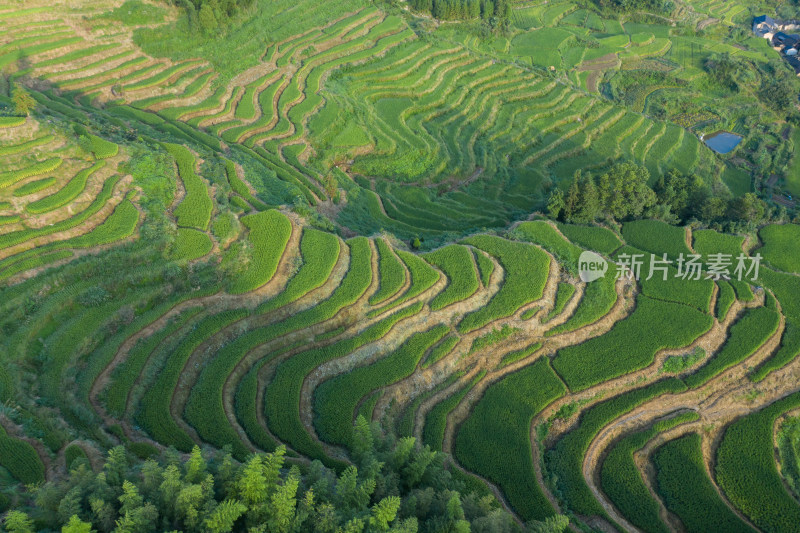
94,296
678,363
142,450
73,453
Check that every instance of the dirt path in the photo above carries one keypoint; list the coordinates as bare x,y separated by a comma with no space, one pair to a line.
92,222
703,24
369,353
718,402
196,362
211,304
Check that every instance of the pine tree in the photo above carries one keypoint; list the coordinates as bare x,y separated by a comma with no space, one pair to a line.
362,442
384,512
70,504
195,467
572,202
487,9
589,203
76,525
18,522
22,101
284,503
252,485
556,203
224,516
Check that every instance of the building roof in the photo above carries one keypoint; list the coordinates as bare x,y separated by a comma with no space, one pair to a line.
764,18
781,38
794,62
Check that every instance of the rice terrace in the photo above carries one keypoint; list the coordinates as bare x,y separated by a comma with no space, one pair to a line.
399,265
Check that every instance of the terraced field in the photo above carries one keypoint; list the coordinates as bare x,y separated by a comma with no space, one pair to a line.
432,126
342,328
255,258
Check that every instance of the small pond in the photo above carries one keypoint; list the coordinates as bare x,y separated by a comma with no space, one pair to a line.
722,142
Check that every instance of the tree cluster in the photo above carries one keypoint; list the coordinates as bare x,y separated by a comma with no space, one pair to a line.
623,193
22,101
394,485
464,9
779,88
661,7
212,16
725,69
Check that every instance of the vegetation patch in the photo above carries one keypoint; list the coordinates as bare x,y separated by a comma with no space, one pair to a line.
191,244
526,268
779,246
457,264
269,234
686,489
631,344
495,440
